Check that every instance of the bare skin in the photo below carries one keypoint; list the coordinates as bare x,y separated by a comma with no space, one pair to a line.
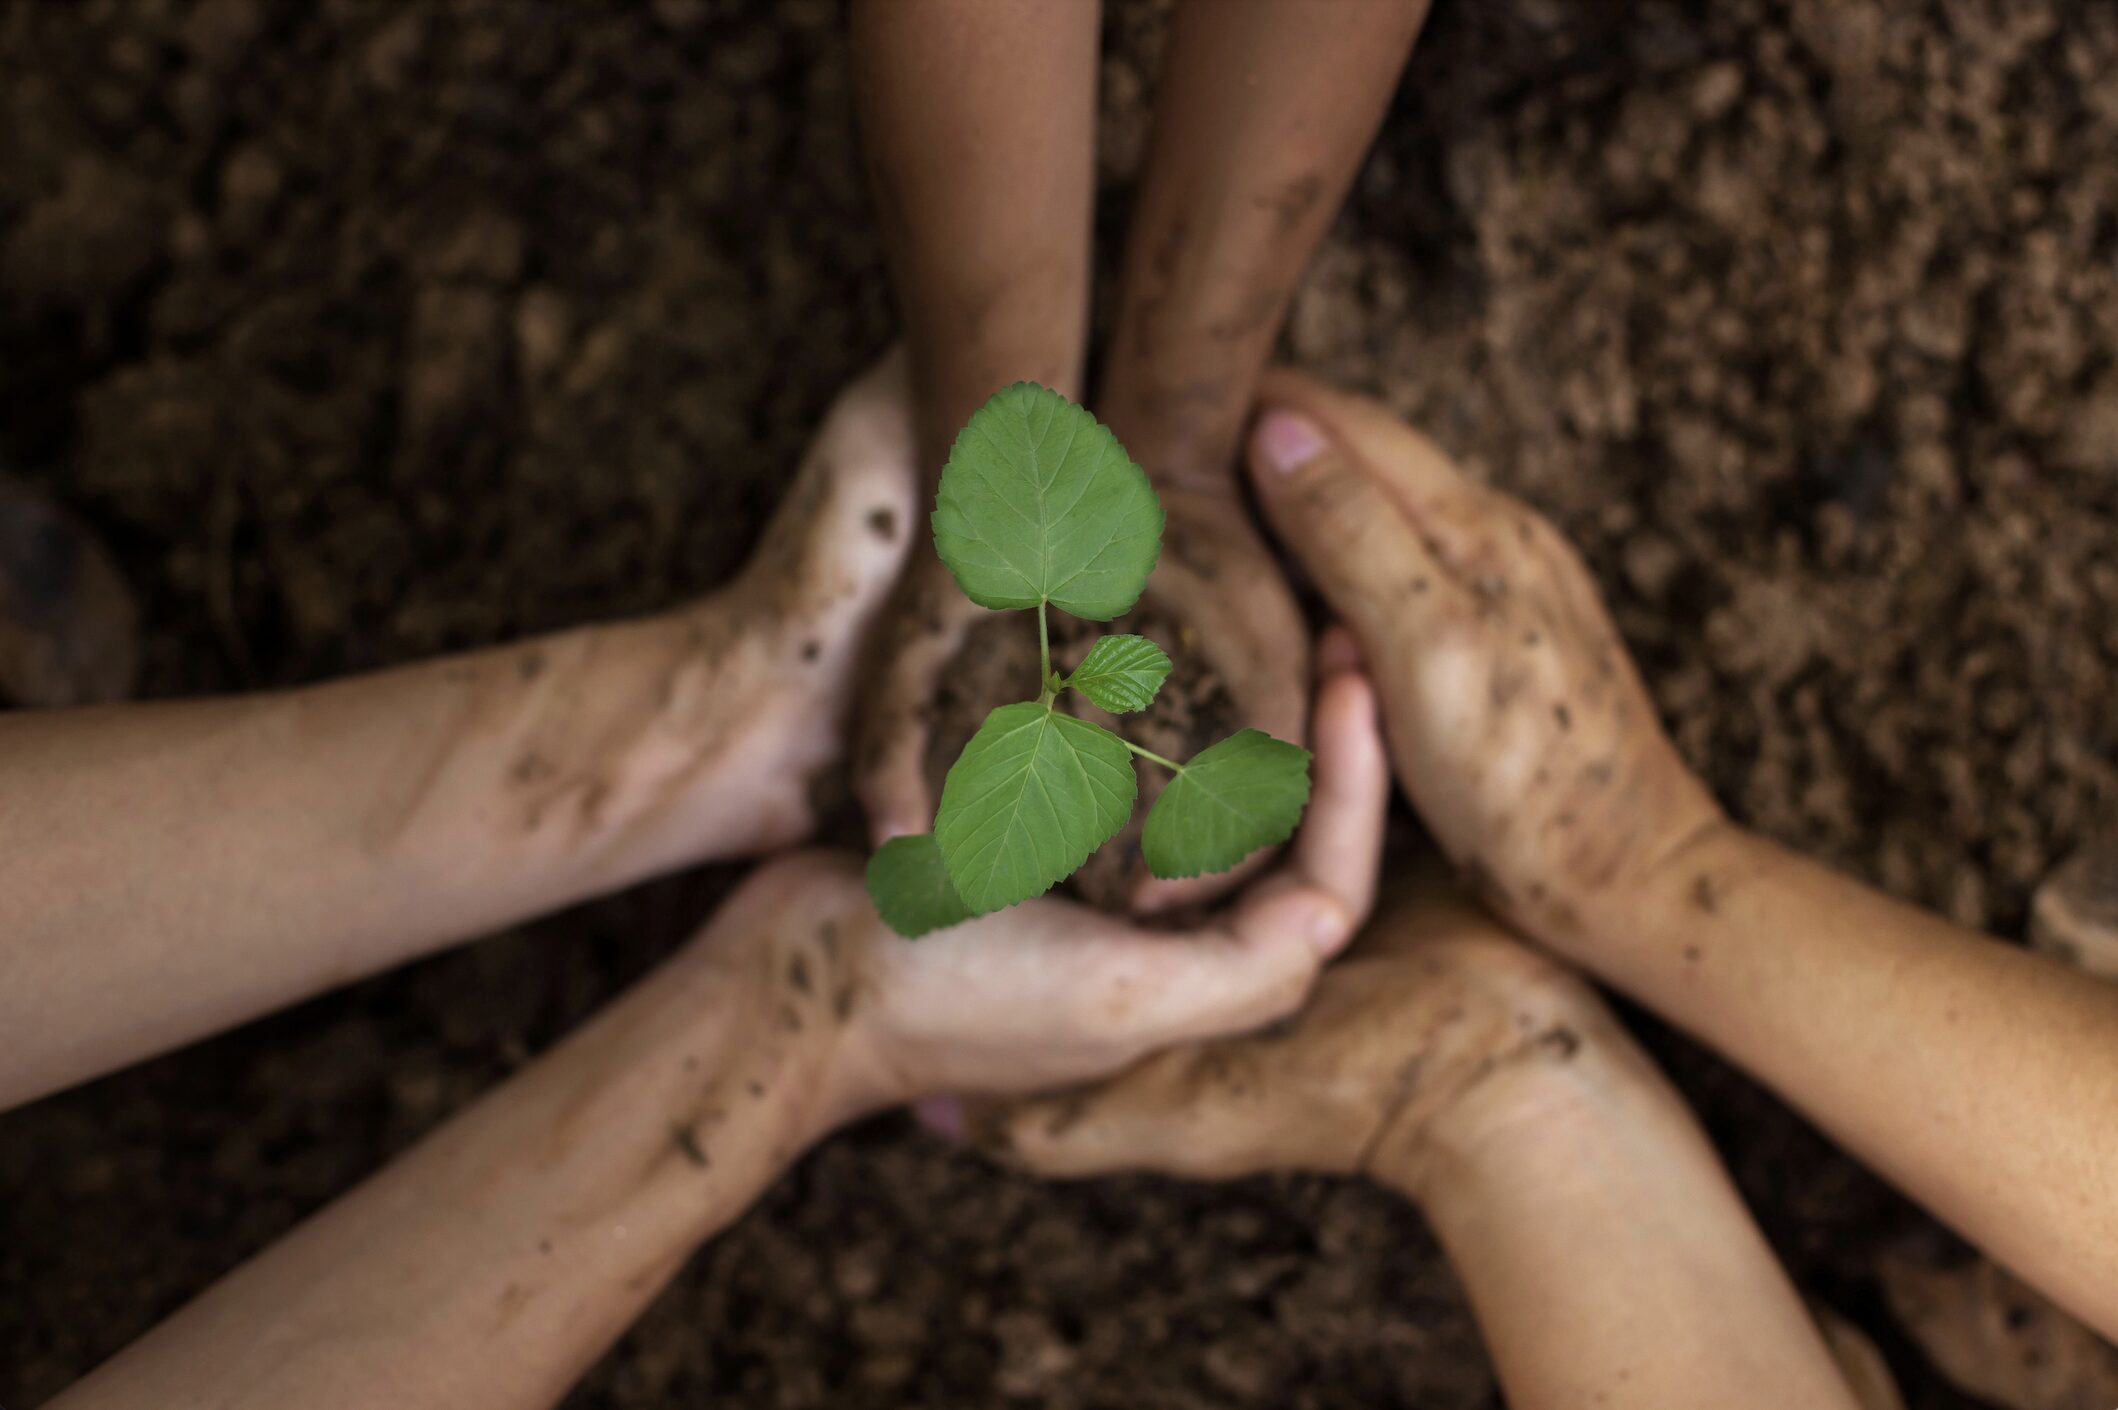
978,122
173,869
1977,1076
1607,1257
976,108
1262,114
492,1263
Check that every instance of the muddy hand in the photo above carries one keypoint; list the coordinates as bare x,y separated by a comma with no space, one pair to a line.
1515,717
1052,992
922,629
1435,1025
1219,580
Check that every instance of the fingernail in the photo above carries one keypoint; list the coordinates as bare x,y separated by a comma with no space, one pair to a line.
1329,930
1287,440
943,1116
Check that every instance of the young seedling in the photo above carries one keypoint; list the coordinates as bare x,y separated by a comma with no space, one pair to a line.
1040,507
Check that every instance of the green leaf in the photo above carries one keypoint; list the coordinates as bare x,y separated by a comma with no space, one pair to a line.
1244,793
1033,794
911,888
1039,503
1122,673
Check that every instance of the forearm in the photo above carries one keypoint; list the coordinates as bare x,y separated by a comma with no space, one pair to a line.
1605,1253
1978,1077
978,122
492,1263
1263,113
172,869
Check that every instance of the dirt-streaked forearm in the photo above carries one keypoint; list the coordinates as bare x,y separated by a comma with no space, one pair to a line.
489,1265
172,869
977,118
1605,1252
1979,1077
1262,115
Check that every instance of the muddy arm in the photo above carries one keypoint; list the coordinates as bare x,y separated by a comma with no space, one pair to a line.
1606,1254
490,1264
1980,1078
977,118
1262,115
169,870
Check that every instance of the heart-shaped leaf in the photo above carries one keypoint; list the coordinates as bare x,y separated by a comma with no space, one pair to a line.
1039,503
911,888
1122,673
1234,797
1032,794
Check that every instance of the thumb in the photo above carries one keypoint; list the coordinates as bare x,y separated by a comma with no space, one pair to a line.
1160,1116
1342,520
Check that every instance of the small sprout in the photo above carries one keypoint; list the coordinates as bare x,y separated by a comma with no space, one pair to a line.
1040,507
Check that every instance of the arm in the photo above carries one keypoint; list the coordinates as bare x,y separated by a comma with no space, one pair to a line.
1978,1077
172,869
490,1264
978,119
1262,114
1606,1255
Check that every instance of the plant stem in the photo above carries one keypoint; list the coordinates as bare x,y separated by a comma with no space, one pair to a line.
1171,764
1044,657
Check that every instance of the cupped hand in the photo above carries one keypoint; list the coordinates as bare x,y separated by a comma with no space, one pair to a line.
1437,1030
1052,992
1516,719
1217,577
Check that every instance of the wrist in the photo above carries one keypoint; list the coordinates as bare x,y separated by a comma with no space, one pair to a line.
1628,932
1521,1111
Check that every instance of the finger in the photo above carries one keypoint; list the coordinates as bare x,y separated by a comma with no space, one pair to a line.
1340,846
1449,507
1150,1118
920,638
1330,508
1153,895
1286,926
890,778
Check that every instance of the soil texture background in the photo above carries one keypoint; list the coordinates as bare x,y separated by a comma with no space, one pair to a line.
364,331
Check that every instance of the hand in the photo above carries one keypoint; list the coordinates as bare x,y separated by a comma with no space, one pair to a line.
1049,991
922,628
1215,575
1515,718
1219,580
1437,1030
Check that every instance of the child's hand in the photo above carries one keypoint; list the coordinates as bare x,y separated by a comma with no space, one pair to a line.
1050,991
1217,577
1515,718
1437,1029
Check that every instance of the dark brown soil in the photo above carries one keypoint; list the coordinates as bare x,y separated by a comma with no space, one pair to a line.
363,331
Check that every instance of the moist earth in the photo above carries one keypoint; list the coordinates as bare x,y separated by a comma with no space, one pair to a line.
364,331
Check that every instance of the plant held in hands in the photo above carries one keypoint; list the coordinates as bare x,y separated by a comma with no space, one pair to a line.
1040,507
